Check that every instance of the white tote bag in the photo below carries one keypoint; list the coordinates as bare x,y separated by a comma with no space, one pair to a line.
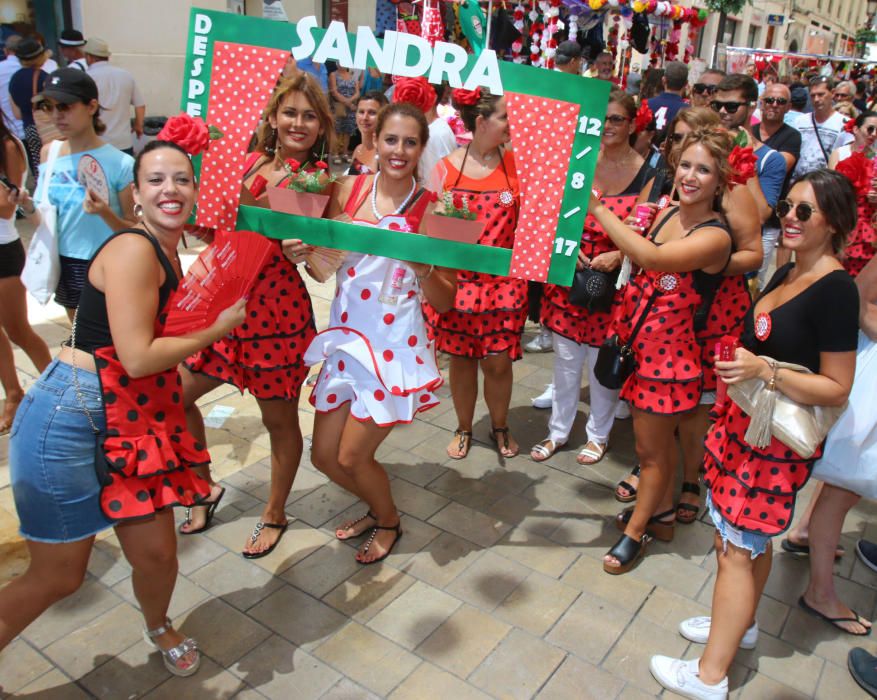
42,269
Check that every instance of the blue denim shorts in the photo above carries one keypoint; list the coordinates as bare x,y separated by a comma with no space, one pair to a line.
756,544
51,458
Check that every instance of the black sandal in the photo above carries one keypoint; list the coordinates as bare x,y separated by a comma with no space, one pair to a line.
628,552
208,519
397,528
351,524
630,489
686,513
494,435
465,437
658,526
256,530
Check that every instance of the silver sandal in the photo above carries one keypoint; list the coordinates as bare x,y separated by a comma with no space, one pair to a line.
173,656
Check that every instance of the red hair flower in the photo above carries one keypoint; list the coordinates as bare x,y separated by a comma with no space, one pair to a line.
849,125
466,97
644,117
189,133
858,169
415,91
742,162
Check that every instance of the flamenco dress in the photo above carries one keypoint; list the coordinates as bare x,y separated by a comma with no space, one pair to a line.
375,353
861,246
265,354
489,311
724,316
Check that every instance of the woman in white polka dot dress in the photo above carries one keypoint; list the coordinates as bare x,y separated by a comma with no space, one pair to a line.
379,368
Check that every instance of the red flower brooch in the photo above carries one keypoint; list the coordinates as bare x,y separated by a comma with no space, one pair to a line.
859,170
466,97
644,117
742,162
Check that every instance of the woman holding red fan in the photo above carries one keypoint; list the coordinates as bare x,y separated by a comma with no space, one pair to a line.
265,354
484,326
100,439
379,368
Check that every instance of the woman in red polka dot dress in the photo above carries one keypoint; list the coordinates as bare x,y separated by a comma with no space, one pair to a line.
485,325
265,355
578,332
687,248
379,367
100,439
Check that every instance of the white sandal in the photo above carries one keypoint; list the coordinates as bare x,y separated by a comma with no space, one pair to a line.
543,451
174,655
592,453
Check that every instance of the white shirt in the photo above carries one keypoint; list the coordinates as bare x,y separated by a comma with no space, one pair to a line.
441,143
7,68
117,93
79,63
830,134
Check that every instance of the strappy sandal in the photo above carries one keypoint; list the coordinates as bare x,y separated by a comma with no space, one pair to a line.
463,444
208,518
631,490
834,621
397,528
505,449
544,450
173,656
354,523
592,453
255,536
686,513
628,552
658,526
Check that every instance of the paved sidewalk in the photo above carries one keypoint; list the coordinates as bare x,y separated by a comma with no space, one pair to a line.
495,590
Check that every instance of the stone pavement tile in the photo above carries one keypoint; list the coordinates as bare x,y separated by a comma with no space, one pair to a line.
367,658
236,580
322,504
419,466
133,673
414,615
836,682
603,621
20,665
346,689
526,513
579,679
249,478
186,595
470,491
784,663
299,541
488,581
818,637
366,593
462,641
107,563
788,578
240,499
629,658
53,685
195,551
587,575
445,558
631,692
761,687
418,537
536,604
210,681
662,568
298,617
431,683
224,633
280,671
536,552
106,635
470,524
71,613
404,437
306,481
667,609
230,453
771,613
518,667
416,500
323,570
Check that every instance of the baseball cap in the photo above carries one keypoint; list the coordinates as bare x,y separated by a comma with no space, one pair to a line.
71,37
566,52
97,47
29,48
799,96
69,85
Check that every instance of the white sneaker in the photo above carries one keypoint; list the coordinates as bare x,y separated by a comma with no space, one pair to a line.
622,411
541,343
697,629
681,677
546,398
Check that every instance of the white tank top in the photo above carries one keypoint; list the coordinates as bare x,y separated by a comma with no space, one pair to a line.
8,232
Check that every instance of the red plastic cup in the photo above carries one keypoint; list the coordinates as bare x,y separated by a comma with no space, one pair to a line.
257,186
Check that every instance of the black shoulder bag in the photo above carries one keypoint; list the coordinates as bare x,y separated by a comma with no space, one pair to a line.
615,361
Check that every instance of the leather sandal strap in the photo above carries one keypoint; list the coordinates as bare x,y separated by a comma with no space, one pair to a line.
691,487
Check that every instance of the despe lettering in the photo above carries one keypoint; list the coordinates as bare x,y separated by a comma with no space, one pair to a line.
444,61
196,87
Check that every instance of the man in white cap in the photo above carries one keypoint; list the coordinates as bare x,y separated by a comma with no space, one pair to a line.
70,44
117,93
7,69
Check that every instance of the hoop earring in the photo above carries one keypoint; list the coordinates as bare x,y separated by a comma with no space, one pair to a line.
272,139
138,211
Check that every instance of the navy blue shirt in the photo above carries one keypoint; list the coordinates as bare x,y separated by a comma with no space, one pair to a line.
664,107
21,91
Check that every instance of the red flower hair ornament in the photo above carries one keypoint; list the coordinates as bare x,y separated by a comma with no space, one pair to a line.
644,117
466,97
849,125
415,91
859,170
742,162
189,133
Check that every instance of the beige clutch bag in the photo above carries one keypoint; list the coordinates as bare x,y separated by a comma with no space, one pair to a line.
801,428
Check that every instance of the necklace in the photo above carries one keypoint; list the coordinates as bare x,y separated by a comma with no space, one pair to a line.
400,208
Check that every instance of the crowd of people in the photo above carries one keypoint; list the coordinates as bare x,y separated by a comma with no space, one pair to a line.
738,253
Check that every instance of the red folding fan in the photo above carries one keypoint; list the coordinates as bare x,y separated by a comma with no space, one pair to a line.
224,272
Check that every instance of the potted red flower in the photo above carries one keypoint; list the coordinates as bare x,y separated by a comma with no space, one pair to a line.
303,190
454,220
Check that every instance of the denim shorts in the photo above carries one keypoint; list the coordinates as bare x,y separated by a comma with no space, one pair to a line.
51,458
756,544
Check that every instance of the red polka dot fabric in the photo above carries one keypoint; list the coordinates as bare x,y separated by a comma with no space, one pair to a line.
535,122
242,80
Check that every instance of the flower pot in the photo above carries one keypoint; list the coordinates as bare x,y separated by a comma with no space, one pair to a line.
300,203
450,228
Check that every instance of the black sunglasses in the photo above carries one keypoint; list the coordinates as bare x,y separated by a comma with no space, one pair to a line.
803,211
617,119
775,101
870,130
677,138
729,107
701,88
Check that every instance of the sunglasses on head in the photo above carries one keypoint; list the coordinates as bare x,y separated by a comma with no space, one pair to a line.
819,79
729,107
803,211
701,88
775,101
48,107
617,119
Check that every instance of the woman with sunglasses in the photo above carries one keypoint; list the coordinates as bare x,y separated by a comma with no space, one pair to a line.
808,315
688,242
577,331
85,220
864,131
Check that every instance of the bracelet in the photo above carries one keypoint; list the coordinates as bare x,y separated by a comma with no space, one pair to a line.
772,382
424,277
